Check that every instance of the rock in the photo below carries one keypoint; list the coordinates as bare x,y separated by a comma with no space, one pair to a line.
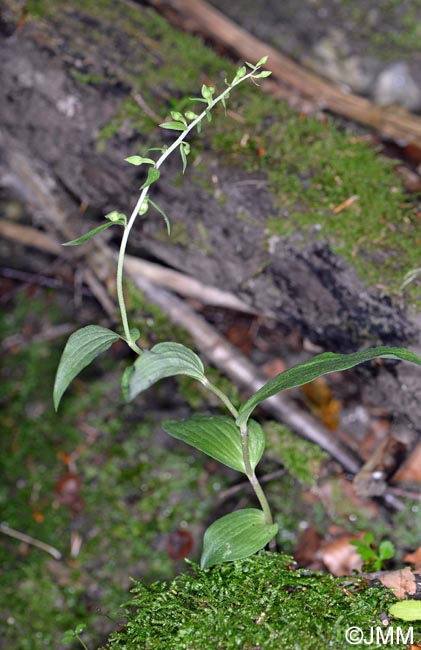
395,85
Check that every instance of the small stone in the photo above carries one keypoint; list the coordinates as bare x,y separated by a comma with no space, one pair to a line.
395,85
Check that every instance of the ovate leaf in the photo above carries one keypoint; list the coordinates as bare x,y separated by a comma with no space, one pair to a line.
316,367
82,347
164,360
139,160
407,610
236,536
153,175
91,233
219,437
173,126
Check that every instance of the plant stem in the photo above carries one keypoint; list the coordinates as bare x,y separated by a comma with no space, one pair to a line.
224,398
252,476
143,195
82,642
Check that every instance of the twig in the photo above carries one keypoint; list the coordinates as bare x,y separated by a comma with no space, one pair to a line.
49,334
29,237
30,540
184,285
147,109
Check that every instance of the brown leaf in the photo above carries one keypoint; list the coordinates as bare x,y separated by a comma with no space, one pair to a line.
179,544
411,469
307,551
414,558
340,557
68,489
403,582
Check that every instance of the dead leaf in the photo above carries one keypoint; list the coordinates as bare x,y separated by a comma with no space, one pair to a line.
273,367
307,551
340,557
414,558
403,582
179,544
410,472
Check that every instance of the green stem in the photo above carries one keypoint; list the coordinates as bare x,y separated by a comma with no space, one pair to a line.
142,197
252,476
82,642
224,398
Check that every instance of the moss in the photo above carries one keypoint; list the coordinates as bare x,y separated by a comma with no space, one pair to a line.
135,491
251,604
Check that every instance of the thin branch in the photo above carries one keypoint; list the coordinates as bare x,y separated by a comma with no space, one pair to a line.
184,284
27,539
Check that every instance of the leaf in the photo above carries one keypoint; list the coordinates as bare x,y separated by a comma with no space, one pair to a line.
236,536
219,437
184,152
91,233
173,126
164,360
386,550
262,61
139,160
82,347
407,610
178,117
164,216
153,175
320,365
262,75
125,382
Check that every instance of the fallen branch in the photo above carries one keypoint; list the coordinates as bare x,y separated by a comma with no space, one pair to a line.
185,285
198,16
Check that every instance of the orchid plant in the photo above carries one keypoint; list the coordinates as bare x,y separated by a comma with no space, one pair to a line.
234,439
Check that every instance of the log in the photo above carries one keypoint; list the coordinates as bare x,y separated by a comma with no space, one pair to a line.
74,74
198,16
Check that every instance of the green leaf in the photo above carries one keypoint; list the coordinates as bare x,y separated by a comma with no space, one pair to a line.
386,550
153,175
219,437
262,61
91,233
125,382
184,152
82,347
191,115
173,126
316,367
241,72
116,217
261,75
236,536
407,610
139,160
178,117
164,216
164,360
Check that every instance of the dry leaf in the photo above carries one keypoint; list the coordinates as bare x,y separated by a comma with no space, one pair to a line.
340,557
414,558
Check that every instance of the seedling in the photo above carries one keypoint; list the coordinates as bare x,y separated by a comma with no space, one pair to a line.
234,439
373,556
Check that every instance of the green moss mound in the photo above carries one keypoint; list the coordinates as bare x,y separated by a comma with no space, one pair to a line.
250,604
